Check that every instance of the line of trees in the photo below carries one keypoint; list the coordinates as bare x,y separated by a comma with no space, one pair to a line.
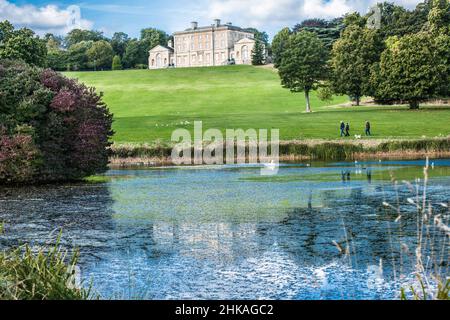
405,60
92,50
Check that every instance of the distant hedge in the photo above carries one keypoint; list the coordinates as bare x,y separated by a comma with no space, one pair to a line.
51,128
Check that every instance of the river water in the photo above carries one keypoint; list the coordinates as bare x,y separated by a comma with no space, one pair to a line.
226,232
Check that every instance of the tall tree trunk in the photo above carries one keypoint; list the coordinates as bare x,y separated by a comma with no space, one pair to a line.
308,105
358,100
414,104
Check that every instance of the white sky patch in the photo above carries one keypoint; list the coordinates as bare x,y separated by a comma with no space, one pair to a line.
44,19
273,15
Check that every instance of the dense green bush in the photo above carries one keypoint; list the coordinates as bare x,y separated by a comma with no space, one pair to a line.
52,128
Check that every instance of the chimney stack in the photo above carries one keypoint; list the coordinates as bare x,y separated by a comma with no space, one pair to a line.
217,22
194,25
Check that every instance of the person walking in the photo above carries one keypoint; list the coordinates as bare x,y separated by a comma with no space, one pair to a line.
368,128
347,130
342,128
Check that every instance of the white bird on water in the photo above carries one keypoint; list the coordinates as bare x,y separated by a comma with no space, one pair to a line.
272,165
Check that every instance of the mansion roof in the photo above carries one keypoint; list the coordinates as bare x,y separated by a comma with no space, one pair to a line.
219,27
160,47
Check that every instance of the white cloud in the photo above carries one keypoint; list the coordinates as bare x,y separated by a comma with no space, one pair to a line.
43,19
272,15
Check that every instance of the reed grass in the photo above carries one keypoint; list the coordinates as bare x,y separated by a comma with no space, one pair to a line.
160,152
27,273
430,279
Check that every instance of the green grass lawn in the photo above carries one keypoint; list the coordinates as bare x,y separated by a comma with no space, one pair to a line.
149,105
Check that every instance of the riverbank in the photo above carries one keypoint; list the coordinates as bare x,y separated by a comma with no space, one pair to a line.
159,154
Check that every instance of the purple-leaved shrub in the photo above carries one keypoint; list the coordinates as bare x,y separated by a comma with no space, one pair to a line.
52,128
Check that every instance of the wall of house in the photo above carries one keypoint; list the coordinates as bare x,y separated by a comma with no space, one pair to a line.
159,59
203,47
243,52
206,48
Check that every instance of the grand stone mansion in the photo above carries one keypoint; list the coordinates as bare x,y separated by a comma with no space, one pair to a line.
213,45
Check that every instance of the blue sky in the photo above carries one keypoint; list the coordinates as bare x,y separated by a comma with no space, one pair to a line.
172,15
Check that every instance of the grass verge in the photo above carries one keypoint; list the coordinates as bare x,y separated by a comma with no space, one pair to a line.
159,153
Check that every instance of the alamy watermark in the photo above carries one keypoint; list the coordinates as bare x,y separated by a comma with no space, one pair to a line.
374,19
237,147
74,19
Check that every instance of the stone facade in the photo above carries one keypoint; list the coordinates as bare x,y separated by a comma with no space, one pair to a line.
215,45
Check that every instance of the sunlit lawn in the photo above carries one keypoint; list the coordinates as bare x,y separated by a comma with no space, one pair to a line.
149,105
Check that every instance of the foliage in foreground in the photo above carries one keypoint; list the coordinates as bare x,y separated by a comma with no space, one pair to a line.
43,275
430,257
51,128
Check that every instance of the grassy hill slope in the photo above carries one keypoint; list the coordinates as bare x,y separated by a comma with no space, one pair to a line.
149,105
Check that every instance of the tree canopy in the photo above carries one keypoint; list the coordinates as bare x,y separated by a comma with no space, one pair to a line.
352,59
413,68
100,55
21,44
303,64
279,44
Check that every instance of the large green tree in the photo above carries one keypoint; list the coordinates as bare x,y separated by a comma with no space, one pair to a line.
77,35
151,37
56,57
21,44
414,68
135,54
116,63
327,31
119,43
439,17
279,44
352,58
77,58
303,64
258,54
100,55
